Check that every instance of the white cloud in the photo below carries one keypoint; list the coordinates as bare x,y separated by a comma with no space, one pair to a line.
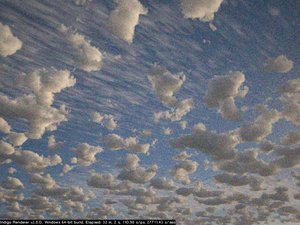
44,180
181,156
261,127
219,146
167,131
86,154
102,213
106,181
204,10
165,84
88,57
125,17
247,162
115,142
134,173
66,168
52,144
221,93
12,183
6,151
239,180
4,126
17,139
146,133
9,44
33,162
183,169
162,183
280,64
37,108
106,120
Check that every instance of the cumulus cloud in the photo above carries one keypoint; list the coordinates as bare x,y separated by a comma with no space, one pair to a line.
4,126
44,180
116,142
280,64
106,181
102,213
37,108
180,109
53,144
66,168
33,162
17,139
6,151
146,133
219,146
183,169
204,10
134,173
86,154
221,93
165,84
181,156
261,127
247,162
9,44
105,120
287,157
87,57
239,180
162,183
183,124
125,17
12,183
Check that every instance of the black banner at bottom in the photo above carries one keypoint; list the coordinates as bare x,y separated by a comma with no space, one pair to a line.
87,222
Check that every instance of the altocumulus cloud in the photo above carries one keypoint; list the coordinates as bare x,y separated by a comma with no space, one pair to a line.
9,44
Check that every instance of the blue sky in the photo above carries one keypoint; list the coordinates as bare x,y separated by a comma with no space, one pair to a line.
254,47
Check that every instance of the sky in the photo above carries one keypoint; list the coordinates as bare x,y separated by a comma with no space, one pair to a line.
138,109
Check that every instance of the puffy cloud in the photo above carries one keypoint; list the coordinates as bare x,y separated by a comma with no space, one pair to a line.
37,108
221,93
9,44
247,162
134,173
219,146
183,169
181,156
115,142
102,213
52,144
165,84
33,162
125,17
162,183
66,168
44,180
180,109
280,64
261,127
88,57
106,120
4,126
86,154
11,170
106,181
204,10
291,138
17,139
239,180
6,151
12,183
